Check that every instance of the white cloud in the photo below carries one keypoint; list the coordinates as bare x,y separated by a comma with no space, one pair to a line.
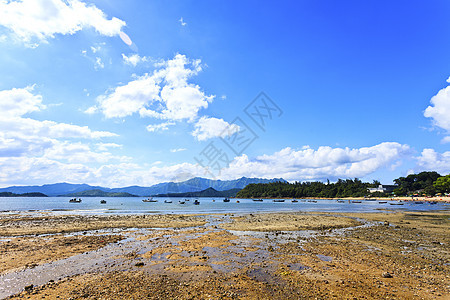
160,127
430,160
26,137
165,94
78,153
207,128
91,110
182,22
95,49
304,164
98,63
320,164
41,20
18,102
446,140
439,110
177,150
105,146
134,59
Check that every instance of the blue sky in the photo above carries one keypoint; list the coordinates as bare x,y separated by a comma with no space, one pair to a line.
118,93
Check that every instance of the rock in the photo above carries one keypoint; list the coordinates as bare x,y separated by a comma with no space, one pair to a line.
387,275
29,287
139,264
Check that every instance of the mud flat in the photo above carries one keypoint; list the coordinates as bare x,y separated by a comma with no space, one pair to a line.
255,256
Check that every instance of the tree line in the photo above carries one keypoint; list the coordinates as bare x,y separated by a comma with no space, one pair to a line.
429,183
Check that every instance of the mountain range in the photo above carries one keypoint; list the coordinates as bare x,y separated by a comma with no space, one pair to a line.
192,185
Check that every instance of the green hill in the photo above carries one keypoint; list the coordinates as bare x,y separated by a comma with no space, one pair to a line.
209,192
98,193
9,194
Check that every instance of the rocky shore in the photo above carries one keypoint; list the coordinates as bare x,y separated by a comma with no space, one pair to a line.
403,255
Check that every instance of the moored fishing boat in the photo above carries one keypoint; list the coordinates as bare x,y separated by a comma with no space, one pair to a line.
150,200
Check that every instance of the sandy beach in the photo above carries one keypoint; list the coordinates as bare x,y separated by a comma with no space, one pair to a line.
402,255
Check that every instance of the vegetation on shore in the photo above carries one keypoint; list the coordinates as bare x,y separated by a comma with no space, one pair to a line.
428,183
9,194
209,192
98,193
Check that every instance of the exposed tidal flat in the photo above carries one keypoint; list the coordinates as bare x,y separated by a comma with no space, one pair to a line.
276,255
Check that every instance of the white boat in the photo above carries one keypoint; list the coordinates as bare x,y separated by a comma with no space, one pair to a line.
149,200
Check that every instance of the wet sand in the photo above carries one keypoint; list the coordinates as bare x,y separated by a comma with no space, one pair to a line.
402,255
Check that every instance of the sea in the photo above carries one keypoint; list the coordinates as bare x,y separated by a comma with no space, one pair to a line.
135,205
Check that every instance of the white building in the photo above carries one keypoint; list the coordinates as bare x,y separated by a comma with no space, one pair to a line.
383,188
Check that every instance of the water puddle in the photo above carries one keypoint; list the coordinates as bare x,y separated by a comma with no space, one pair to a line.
324,257
297,267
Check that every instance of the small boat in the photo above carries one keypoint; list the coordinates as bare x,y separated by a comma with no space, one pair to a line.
370,199
278,200
356,201
75,200
149,200
398,203
382,202
340,201
167,201
418,202
226,200
294,200
432,202
257,200
312,201
181,202
102,201
196,202
237,201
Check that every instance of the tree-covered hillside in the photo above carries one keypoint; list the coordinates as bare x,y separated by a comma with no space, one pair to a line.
428,183
340,189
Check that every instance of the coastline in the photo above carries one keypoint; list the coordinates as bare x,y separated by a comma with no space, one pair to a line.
445,199
286,255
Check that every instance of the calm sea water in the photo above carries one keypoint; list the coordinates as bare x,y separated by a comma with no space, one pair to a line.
61,205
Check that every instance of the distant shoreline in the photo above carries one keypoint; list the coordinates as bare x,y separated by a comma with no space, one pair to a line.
444,199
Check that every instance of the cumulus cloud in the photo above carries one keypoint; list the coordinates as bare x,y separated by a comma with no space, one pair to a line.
40,20
134,59
430,160
22,136
439,110
207,128
290,164
18,102
320,164
165,94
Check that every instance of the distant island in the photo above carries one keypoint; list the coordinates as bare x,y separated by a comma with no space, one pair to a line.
209,192
9,194
98,193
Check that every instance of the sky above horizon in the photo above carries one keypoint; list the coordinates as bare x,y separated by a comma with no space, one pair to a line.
118,93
